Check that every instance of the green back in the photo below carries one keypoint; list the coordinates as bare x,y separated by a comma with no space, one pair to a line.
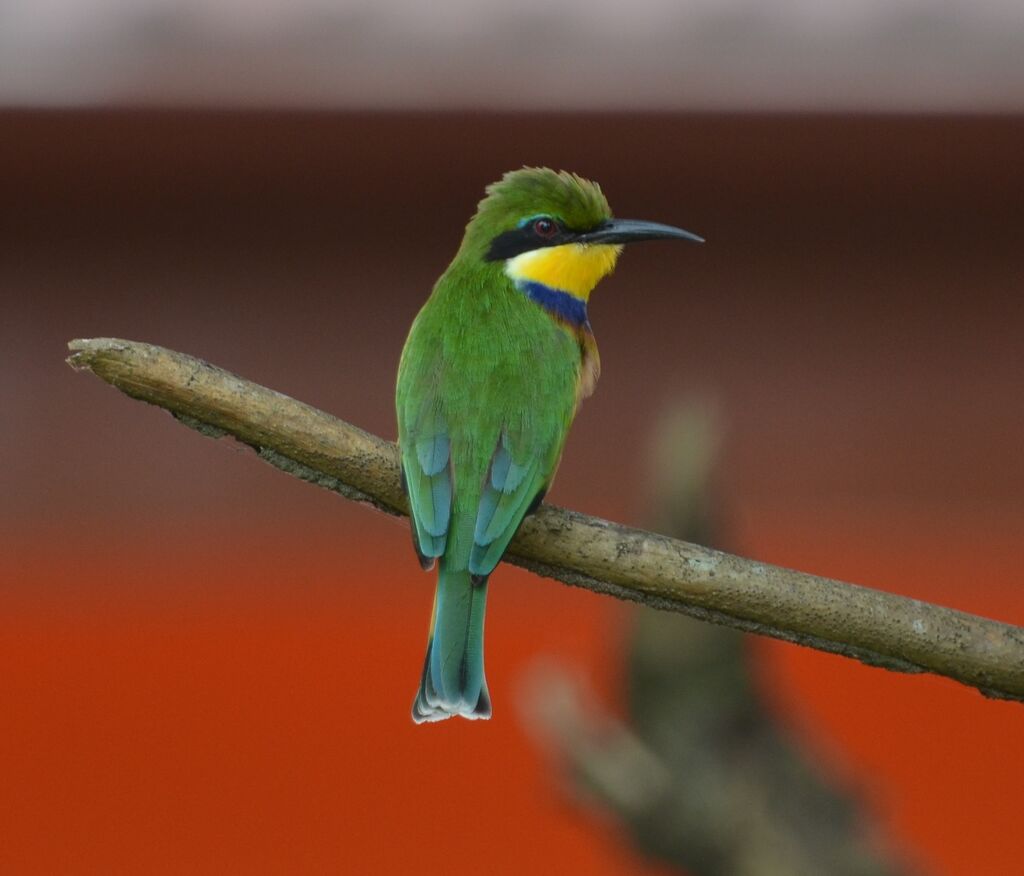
486,394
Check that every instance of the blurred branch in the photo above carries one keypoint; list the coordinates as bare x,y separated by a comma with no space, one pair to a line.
881,629
702,772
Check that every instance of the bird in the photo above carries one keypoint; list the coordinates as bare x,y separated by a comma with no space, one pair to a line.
492,373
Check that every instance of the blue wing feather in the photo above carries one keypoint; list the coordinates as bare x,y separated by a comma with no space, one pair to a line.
432,452
427,467
508,491
500,465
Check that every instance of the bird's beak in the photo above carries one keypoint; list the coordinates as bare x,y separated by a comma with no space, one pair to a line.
629,230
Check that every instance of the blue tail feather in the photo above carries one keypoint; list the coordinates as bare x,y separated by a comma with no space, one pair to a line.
453,680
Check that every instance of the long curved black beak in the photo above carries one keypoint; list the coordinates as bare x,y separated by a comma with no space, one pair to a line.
629,230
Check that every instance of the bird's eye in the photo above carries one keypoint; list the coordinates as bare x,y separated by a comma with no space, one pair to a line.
544,227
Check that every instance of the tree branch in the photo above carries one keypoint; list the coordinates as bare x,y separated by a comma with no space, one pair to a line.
881,629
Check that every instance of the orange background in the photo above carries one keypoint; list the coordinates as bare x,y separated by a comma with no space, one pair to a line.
208,666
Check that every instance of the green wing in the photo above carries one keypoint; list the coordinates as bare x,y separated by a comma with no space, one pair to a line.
516,481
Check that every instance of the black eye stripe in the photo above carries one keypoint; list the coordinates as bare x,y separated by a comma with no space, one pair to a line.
516,241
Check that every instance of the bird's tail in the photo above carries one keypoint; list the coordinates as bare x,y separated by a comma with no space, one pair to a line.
453,673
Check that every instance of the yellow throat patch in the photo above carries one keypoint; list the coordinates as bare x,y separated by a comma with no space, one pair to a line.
575,268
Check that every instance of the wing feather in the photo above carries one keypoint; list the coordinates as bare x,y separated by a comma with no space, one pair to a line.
428,474
517,475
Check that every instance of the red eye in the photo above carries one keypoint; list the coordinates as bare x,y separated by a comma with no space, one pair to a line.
544,228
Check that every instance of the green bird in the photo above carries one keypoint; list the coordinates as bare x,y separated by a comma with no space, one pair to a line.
493,371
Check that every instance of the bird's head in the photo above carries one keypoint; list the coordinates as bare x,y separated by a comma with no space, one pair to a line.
555,229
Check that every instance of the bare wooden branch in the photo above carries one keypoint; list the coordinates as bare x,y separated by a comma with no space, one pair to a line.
878,628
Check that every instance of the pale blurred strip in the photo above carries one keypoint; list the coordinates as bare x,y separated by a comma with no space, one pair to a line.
917,55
